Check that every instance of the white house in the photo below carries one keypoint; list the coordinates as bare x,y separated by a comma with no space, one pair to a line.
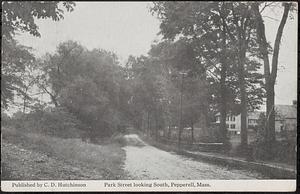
285,119
233,122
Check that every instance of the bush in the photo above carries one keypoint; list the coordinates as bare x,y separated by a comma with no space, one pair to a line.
282,151
54,122
61,123
213,135
5,119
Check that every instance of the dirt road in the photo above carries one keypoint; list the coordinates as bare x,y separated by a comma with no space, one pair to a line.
147,162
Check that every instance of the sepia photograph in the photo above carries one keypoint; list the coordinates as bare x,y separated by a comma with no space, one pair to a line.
149,96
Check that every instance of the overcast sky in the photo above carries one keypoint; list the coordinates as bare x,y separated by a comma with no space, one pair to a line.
127,28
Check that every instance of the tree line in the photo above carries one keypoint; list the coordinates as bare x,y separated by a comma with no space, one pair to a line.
208,61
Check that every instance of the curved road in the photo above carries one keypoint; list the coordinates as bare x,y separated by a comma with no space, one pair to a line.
145,162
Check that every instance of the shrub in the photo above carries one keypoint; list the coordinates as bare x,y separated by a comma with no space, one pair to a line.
283,151
55,122
213,135
5,119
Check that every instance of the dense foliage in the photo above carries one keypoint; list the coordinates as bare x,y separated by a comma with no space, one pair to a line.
16,59
208,61
90,84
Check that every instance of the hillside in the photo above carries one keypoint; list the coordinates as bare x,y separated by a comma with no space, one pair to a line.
38,157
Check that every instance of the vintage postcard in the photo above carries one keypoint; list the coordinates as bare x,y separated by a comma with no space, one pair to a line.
149,96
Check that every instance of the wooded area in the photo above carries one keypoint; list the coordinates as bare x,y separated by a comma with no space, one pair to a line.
208,61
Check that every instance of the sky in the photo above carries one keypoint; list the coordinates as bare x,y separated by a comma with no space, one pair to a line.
128,28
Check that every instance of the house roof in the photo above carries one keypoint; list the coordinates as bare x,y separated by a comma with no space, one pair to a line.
228,113
282,111
254,114
286,111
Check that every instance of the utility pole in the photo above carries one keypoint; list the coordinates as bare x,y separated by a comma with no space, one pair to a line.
180,120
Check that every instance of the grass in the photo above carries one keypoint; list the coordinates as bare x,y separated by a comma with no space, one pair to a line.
107,158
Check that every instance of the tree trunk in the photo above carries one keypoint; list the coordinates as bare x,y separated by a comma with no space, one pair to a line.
24,104
270,125
53,97
223,99
270,78
180,119
148,123
143,123
244,134
242,85
205,104
223,118
156,125
205,119
150,126
24,101
192,130
243,29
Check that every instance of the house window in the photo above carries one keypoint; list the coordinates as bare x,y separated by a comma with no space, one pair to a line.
227,118
281,128
232,126
233,118
227,126
217,118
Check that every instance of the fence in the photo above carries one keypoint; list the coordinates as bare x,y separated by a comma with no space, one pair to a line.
195,145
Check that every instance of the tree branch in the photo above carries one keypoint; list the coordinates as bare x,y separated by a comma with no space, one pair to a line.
287,7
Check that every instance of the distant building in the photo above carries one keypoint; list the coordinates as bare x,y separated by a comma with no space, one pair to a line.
233,122
286,117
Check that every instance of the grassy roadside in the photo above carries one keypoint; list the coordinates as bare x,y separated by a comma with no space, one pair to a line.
72,157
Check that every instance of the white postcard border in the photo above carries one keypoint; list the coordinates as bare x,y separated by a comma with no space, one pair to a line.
150,185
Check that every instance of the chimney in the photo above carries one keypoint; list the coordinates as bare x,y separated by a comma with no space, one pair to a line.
295,102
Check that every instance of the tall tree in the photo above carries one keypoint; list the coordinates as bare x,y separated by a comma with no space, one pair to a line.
240,25
14,60
184,73
19,16
148,91
270,69
202,24
89,84
221,34
29,79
